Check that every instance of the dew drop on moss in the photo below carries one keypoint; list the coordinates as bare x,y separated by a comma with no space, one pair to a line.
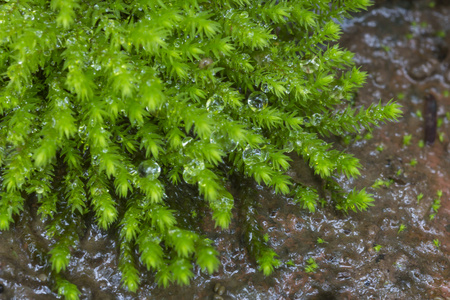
192,170
215,104
310,65
149,169
257,101
252,156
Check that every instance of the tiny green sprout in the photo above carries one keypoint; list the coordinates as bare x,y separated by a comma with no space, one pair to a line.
368,136
413,23
435,206
266,237
446,93
401,228
432,4
399,172
321,241
290,263
380,148
311,266
440,33
386,48
380,182
437,243
400,96
439,194
409,36
423,24
377,248
358,137
421,144
447,116
407,140
419,197
347,139
440,121
413,162
194,213
419,114
441,137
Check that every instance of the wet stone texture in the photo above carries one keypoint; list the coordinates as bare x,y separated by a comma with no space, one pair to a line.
404,48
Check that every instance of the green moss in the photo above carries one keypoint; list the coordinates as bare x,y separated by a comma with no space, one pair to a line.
107,105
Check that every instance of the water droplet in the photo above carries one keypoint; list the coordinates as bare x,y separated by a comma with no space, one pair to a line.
265,88
252,156
186,141
257,101
205,63
215,104
39,190
289,146
192,170
337,93
149,169
315,119
310,65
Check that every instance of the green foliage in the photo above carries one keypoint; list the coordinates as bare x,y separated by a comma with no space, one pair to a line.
311,265
106,105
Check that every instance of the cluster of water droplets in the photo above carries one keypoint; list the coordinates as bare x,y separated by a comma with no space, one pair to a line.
149,169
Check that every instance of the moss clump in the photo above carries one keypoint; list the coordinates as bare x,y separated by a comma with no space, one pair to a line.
106,104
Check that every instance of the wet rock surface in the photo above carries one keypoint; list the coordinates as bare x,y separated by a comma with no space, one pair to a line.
403,46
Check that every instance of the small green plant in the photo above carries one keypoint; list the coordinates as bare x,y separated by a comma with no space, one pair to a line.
380,148
380,182
321,241
437,243
400,96
311,265
386,48
446,93
419,197
290,263
436,205
377,248
407,139
108,106
399,172
368,136
413,162
419,114
421,144
401,228
441,137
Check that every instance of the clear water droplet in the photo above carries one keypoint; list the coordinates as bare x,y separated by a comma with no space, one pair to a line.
265,88
289,146
252,156
215,104
39,190
316,119
257,101
186,141
310,66
337,93
149,169
192,170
